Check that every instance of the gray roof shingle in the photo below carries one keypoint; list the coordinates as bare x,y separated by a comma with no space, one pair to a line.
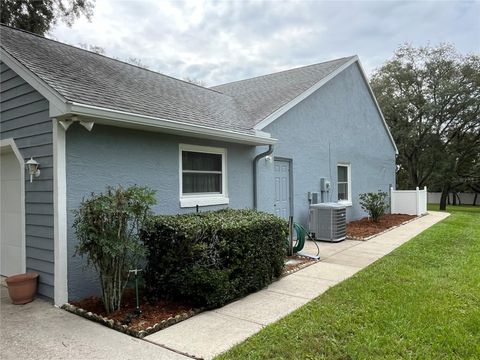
262,95
92,79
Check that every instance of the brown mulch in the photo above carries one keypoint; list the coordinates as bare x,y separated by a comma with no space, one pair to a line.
299,261
151,313
364,228
161,310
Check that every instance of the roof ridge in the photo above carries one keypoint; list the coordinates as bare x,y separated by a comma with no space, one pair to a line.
110,58
283,71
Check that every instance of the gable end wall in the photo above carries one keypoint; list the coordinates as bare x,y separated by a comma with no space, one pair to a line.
25,118
339,123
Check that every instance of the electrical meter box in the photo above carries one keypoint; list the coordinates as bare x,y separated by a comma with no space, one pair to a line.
324,184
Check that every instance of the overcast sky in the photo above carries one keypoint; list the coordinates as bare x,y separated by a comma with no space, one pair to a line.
222,41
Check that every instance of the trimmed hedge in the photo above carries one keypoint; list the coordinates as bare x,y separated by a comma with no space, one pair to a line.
212,258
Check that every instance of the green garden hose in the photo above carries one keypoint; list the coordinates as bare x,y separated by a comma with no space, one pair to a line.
301,233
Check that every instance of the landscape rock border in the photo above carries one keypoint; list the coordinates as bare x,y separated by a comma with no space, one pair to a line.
300,266
118,326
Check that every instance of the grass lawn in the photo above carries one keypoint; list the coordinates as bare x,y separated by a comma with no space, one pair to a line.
422,301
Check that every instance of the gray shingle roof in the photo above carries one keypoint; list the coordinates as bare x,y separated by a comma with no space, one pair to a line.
91,79
88,78
261,96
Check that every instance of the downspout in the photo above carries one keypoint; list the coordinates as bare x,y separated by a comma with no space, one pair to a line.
255,162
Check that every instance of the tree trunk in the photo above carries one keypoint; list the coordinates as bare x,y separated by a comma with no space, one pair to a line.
443,199
454,198
475,199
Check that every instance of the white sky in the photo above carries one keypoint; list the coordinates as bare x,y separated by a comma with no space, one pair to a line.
222,41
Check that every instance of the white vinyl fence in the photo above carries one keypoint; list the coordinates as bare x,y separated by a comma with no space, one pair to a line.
412,202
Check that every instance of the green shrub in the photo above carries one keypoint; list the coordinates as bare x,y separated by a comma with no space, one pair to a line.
107,226
374,203
212,258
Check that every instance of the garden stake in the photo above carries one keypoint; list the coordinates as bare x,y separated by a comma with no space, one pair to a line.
290,236
135,272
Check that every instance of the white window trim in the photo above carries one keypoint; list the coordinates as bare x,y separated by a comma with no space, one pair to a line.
192,200
347,202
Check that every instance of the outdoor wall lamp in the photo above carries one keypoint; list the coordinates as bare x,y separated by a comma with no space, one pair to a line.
33,168
269,159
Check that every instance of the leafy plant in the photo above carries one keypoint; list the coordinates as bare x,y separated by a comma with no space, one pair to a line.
374,203
107,226
214,257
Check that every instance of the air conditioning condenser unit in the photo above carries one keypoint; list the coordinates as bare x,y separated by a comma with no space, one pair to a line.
328,222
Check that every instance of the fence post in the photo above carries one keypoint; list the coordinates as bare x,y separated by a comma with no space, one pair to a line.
426,199
417,199
392,201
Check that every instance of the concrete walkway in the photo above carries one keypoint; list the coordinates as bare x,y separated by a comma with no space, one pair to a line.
40,331
214,332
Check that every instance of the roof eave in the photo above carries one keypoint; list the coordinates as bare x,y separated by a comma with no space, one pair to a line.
60,107
142,122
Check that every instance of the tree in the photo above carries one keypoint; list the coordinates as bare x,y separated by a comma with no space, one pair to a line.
430,97
136,61
195,81
108,228
93,48
38,16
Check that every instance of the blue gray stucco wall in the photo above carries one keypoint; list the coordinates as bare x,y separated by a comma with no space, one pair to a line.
24,117
341,115
338,123
115,156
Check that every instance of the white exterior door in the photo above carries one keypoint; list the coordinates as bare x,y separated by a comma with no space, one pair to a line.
11,243
282,189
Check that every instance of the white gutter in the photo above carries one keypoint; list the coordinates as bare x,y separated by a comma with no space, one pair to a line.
119,118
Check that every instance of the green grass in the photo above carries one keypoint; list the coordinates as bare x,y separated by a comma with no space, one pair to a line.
422,301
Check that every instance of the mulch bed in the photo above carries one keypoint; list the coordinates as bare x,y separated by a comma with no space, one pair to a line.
296,262
151,313
154,316
365,228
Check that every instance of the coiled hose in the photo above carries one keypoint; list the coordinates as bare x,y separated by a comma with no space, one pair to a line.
300,242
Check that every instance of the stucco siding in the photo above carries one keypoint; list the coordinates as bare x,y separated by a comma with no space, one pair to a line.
339,123
112,156
24,117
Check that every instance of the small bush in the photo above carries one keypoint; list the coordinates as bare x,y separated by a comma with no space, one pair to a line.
212,258
374,203
107,226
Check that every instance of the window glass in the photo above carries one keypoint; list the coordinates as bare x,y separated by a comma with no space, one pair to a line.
201,161
343,181
202,183
343,174
201,173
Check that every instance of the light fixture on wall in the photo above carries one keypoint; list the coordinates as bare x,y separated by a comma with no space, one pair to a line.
269,159
33,168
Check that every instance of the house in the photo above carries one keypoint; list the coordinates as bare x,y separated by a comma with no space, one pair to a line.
91,121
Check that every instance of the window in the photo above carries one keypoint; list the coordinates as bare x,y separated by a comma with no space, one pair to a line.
344,183
202,176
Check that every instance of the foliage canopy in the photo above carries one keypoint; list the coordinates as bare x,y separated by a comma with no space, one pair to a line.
107,226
